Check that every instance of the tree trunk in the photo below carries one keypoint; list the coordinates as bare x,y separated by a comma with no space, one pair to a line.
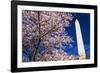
39,40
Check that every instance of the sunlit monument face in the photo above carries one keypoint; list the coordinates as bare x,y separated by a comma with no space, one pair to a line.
55,36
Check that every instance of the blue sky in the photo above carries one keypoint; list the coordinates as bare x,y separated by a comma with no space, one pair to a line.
84,20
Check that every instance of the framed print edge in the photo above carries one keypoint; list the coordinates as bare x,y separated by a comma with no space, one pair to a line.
14,33
13,36
96,36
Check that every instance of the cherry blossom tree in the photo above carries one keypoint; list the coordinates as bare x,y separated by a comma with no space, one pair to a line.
45,29
54,55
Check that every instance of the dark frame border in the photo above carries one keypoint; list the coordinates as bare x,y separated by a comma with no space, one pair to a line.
14,5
